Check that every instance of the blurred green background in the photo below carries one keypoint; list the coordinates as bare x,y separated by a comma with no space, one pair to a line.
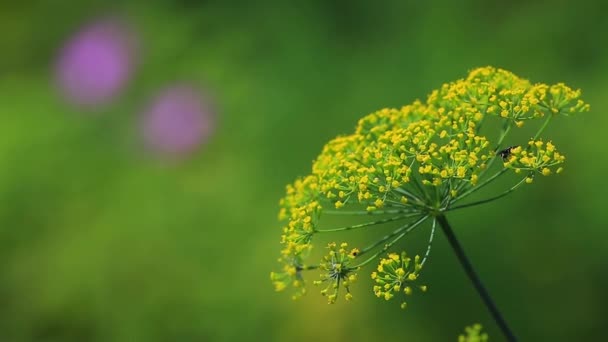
100,242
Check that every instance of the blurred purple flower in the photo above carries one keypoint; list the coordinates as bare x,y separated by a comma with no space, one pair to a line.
177,121
96,63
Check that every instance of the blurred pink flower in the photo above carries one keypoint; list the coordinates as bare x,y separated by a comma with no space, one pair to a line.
177,121
95,64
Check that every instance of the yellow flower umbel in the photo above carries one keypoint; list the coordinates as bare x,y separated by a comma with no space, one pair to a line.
537,158
408,166
395,275
338,271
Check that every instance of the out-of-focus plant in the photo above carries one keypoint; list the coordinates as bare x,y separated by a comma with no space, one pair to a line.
473,334
95,65
177,122
411,166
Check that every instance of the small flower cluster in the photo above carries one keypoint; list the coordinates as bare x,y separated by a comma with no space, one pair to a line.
338,271
302,213
537,158
290,276
473,334
411,164
395,274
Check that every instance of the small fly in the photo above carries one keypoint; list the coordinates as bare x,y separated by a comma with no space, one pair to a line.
504,154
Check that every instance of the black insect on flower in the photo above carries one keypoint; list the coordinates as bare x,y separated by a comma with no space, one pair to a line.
504,154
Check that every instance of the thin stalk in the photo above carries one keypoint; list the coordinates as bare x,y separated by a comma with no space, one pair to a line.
365,212
396,204
510,190
503,134
366,224
399,232
470,271
484,183
307,268
542,128
420,187
409,194
428,247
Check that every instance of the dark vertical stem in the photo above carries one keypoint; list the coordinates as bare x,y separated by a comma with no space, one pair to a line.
468,268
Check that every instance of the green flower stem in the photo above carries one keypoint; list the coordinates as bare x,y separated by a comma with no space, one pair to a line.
361,225
428,248
484,183
419,203
420,187
308,268
542,128
399,232
410,195
470,271
510,190
365,212
503,134
417,208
